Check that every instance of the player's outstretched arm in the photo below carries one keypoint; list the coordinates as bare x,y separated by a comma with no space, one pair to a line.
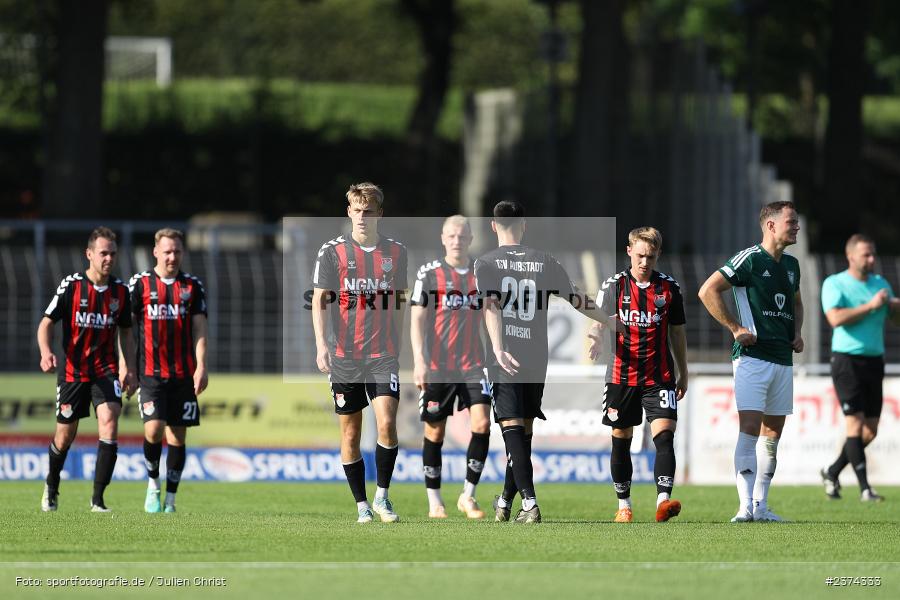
494,324
797,343
45,343
418,315
711,295
127,361
678,343
200,328
319,314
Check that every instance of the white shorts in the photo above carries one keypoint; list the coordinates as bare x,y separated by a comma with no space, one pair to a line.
763,386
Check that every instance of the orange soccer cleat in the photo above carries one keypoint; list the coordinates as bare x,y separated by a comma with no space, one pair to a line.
667,509
624,515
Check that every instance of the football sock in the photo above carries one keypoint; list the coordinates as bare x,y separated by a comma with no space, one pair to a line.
766,461
381,492
175,459
660,498
57,460
107,451
620,467
475,457
519,459
468,489
664,465
434,497
509,482
356,477
854,448
745,468
431,463
152,454
384,464
838,465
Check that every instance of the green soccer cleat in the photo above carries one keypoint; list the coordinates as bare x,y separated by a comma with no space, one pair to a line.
529,516
151,502
501,513
169,508
385,510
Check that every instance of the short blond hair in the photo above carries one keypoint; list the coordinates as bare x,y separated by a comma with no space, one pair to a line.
169,232
456,221
649,235
366,194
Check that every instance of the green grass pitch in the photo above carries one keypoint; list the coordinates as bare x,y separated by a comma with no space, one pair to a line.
301,540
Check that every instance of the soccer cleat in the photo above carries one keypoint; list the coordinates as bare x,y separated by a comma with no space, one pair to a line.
743,515
667,509
832,485
624,515
385,509
49,501
151,502
767,516
469,506
99,508
169,508
501,513
529,516
365,515
437,512
870,495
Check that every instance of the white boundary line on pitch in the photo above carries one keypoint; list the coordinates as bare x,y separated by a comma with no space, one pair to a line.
435,564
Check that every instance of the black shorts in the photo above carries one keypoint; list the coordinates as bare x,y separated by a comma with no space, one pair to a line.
355,382
169,400
857,383
517,401
622,404
74,398
436,401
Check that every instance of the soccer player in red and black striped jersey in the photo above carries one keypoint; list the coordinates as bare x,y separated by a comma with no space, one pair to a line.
643,376
361,280
170,318
448,357
93,307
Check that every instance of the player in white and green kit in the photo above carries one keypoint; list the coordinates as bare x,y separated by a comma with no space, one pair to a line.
766,285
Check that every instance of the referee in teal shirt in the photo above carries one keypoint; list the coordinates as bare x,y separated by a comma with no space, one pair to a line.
856,303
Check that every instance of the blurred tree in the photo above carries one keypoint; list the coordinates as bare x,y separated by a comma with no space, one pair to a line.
844,135
601,87
73,164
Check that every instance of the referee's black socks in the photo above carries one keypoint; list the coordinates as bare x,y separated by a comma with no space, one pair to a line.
857,456
519,456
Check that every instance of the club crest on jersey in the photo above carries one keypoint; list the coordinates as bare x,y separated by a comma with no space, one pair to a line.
779,300
65,410
148,407
660,300
113,305
387,263
185,295
791,277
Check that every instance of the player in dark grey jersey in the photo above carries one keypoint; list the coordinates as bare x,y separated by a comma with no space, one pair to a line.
516,283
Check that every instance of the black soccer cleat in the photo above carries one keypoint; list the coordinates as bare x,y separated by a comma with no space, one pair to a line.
50,499
529,516
832,485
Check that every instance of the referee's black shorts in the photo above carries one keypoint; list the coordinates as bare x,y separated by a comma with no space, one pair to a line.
857,383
